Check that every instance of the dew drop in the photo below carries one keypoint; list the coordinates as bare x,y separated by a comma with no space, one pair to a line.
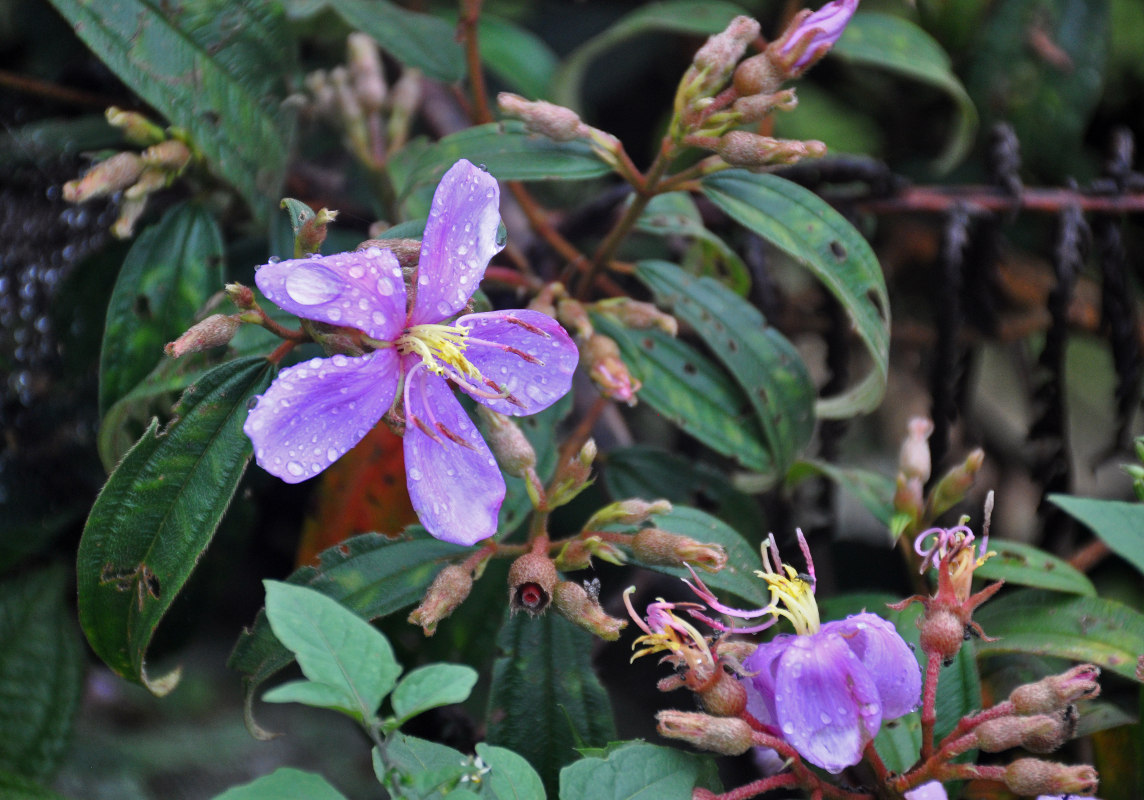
340,360
788,728
273,260
414,474
826,718
294,468
310,286
356,271
384,286
335,314
462,249
378,318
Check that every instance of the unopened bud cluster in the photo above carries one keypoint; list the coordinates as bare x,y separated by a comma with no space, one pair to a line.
132,176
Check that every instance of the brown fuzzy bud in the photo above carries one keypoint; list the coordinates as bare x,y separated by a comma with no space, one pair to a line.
130,210
150,180
578,553
366,72
728,736
507,441
757,75
1056,691
531,582
136,128
757,107
724,696
548,119
1052,737
942,634
214,331
448,590
714,61
106,177
407,251
547,298
743,149
1031,776
627,512
1002,733
638,315
169,156
574,316
576,605
312,232
608,371
655,547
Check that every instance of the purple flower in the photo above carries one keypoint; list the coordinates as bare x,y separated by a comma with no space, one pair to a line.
815,34
515,362
933,790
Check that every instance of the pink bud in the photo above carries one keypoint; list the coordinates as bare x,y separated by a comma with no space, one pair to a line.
214,331
728,736
448,590
548,119
810,37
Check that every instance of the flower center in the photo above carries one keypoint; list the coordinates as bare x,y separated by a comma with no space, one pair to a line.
792,595
441,348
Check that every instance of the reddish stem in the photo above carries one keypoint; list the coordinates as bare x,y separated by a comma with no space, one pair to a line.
471,12
756,788
929,704
931,199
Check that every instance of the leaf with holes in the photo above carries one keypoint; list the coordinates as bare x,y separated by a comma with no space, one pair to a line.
1022,564
807,229
157,514
218,69
766,365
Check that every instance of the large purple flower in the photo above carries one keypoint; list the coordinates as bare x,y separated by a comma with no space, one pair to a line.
515,362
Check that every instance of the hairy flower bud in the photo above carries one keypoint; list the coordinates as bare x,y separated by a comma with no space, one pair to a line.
728,736
627,512
447,591
577,606
548,119
241,296
743,149
1003,733
724,696
1057,691
638,315
169,156
810,36
106,177
130,210
757,107
214,331
407,251
574,316
757,75
507,441
655,547
573,476
1031,776
714,61
942,634
531,582
1053,737
578,553
952,487
608,371
136,128
366,71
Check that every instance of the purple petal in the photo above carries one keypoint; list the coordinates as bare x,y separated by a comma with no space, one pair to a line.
886,657
761,685
825,27
524,352
457,489
355,290
460,238
826,701
315,411
933,790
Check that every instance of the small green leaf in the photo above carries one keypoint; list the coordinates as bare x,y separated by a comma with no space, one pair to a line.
1023,564
694,17
1093,629
684,386
634,770
41,673
509,153
431,686
896,44
370,574
170,272
157,514
416,40
309,693
334,646
510,776
545,697
675,214
214,68
285,783
1119,525
766,365
807,229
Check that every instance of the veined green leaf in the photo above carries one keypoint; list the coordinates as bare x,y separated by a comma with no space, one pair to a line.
872,489
369,574
157,514
545,697
1119,525
900,46
214,68
285,783
41,673
431,686
169,273
517,56
510,776
695,17
675,214
807,229
1023,564
766,365
635,770
1093,629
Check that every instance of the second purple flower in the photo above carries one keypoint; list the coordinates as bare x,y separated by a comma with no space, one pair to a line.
515,362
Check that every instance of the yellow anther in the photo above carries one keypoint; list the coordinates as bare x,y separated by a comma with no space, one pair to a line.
438,345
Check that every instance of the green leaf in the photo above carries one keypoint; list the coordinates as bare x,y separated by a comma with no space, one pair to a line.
17,787
697,396
41,672
1119,525
157,513
431,686
693,17
416,40
517,56
285,783
545,698
370,574
170,272
634,770
426,766
766,365
900,46
1023,564
873,490
807,229
334,646
1093,629
510,776
509,153
214,68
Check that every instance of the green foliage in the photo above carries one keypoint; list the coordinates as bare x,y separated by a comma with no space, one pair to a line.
1118,524
635,769
285,783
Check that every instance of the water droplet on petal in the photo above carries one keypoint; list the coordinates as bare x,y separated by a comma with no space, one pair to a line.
826,718
356,271
294,468
332,455
788,728
384,286
443,308
414,474
311,286
273,260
